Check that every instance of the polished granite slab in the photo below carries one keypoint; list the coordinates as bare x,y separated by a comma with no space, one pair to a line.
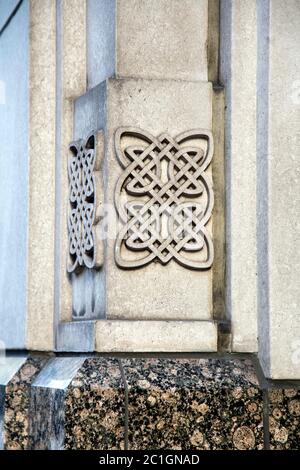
105,403
17,404
284,418
193,404
95,407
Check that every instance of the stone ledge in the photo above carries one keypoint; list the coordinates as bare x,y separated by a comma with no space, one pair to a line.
104,403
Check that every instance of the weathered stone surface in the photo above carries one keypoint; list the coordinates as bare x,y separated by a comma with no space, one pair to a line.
101,34
41,211
162,40
284,418
193,404
238,60
155,291
280,192
14,97
95,407
155,336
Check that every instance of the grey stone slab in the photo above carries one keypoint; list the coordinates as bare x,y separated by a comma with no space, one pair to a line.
238,62
14,96
87,286
279,184
9,366
100,40
47,403
76,336
89,111
58,372
47,419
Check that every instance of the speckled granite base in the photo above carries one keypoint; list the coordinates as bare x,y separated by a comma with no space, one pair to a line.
284,419
95,407
102,403
17,403
193,404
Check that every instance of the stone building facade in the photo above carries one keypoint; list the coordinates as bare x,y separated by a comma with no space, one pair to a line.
150,248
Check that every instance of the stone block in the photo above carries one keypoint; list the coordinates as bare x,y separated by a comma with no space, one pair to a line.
155,336
47,402
279,188
95,407
155,291
133,285
17,404
166,41
238,61
193,404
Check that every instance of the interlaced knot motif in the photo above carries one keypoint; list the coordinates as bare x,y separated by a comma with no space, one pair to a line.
82,204
164,199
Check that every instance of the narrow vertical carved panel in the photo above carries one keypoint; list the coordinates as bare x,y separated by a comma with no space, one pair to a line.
84,180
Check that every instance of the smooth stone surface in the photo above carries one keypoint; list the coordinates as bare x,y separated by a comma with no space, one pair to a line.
42,182
95,407
155,336
162,39
238,61
193,404
17,404
155,291
14,98
101,35
284,418
280,343
76,336
47,404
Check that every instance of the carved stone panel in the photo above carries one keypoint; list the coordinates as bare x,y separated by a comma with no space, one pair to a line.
164,198
84,182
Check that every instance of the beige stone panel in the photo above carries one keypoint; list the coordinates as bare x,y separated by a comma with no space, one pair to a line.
239,75
40,331
73,84
284,190
162,39
155,336
155,291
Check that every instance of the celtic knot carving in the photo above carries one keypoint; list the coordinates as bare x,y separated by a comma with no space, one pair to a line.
164,198
83,171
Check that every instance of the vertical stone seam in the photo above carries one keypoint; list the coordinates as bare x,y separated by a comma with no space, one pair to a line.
58,110
126,417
